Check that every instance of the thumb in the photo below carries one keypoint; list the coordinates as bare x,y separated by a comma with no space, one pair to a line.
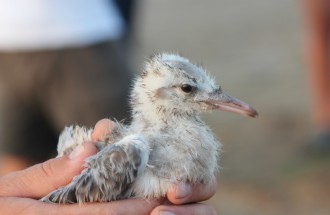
40,179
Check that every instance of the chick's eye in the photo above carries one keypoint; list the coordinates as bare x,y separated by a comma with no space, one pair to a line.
186,88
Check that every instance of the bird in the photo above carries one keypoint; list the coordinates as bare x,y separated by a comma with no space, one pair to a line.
166,142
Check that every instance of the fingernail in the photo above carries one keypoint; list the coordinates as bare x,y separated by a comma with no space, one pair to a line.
166,213
182,191
101,129
77,152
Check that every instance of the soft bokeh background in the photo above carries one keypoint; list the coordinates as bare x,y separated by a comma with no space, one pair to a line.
253,48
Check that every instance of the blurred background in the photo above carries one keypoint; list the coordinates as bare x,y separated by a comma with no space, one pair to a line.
254,49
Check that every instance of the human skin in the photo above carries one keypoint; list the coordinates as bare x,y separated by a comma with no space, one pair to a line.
20,191
316,22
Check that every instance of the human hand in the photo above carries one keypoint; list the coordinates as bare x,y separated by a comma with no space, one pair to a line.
19,191
185,198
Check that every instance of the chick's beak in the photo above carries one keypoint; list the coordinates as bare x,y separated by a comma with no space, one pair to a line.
220,100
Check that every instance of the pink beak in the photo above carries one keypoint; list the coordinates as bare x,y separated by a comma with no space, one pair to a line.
222,101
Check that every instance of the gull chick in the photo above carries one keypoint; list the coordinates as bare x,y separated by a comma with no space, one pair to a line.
166,143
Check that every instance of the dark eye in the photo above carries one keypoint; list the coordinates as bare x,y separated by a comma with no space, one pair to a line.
186,88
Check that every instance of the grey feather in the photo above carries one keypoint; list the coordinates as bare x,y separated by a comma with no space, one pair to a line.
108,175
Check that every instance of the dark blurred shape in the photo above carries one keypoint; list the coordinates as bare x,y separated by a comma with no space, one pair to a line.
76,77
127,9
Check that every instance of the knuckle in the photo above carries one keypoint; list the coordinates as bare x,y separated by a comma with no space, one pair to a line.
47,169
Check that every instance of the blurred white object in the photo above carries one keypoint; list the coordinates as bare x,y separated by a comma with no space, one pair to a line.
52,24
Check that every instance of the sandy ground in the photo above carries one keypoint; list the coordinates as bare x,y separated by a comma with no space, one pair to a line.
253,48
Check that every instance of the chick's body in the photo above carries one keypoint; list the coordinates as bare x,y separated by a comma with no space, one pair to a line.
183,153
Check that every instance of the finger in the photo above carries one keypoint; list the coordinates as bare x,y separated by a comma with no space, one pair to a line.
188,193
14,205
40,179
189,209
101,129
128,206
